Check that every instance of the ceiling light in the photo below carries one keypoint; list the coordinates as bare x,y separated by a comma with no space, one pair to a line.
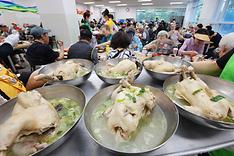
141,10
144,0
113,2
147,4
99,5
176,3
88,2
121,4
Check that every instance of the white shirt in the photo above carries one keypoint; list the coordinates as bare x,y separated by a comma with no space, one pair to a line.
12,39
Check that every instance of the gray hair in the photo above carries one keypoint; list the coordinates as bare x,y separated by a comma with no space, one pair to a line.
163,32
227,41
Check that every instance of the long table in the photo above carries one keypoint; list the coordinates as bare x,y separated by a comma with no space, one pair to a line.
189,138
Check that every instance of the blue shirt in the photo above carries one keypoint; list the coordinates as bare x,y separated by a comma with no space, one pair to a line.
136,41
105,39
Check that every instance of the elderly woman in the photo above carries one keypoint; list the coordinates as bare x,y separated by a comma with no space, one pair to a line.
224,65
162,44
195,45
120,43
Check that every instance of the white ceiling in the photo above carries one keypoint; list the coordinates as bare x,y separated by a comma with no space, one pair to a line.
135,3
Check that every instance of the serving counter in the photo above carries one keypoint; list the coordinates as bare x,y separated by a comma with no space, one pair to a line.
189,138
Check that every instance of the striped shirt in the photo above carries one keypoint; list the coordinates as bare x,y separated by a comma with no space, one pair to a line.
125,53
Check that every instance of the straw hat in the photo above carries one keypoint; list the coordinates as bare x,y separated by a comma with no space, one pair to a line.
202,34
202,37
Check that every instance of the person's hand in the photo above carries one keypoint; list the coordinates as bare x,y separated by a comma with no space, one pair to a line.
135,46
192,53
60,43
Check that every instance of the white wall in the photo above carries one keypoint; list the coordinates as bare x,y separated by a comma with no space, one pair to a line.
207,15
123,13
20,17
96,13
208,11
61,19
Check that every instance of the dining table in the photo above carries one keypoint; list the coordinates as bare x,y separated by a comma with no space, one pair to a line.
189,139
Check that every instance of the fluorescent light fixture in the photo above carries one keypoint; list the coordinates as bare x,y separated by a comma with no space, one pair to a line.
121,4
100,5
176,3
113,2
147,4
88,2
144,0
141,10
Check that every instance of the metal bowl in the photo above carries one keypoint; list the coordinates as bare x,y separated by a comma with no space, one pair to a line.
51,92
77,81
163,76
165,104
99,67
223,87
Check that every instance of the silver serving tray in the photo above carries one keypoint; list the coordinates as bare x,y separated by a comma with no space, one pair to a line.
163,76
168,108
223,87
79,80
51,92
99,66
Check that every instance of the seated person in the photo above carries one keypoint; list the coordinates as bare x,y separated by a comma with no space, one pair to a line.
6,47
82,48
120,43
136,44
224,65
195,45
11,85
40,53
107,36
162,44
215,38
174,34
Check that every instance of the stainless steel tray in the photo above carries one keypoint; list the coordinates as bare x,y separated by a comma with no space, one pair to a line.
189,138
163,76
77,81
223,87
51,92
163,102
99,67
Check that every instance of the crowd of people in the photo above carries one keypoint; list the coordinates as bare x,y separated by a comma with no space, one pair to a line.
121,39
208,51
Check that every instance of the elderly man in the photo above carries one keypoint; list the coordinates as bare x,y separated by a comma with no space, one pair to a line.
224,65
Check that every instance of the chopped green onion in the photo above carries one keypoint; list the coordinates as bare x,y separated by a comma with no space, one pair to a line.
197,91
228,119
142,91
131,98
217,98
120,100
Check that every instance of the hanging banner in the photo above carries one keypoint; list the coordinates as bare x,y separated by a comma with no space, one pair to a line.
16,7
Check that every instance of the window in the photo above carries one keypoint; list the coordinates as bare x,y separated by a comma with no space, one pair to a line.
229,13
160,13
225,18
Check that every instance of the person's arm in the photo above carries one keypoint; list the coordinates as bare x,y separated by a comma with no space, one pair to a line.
180,37
151,45
206,67
183,47
61,53
182,50
32,83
